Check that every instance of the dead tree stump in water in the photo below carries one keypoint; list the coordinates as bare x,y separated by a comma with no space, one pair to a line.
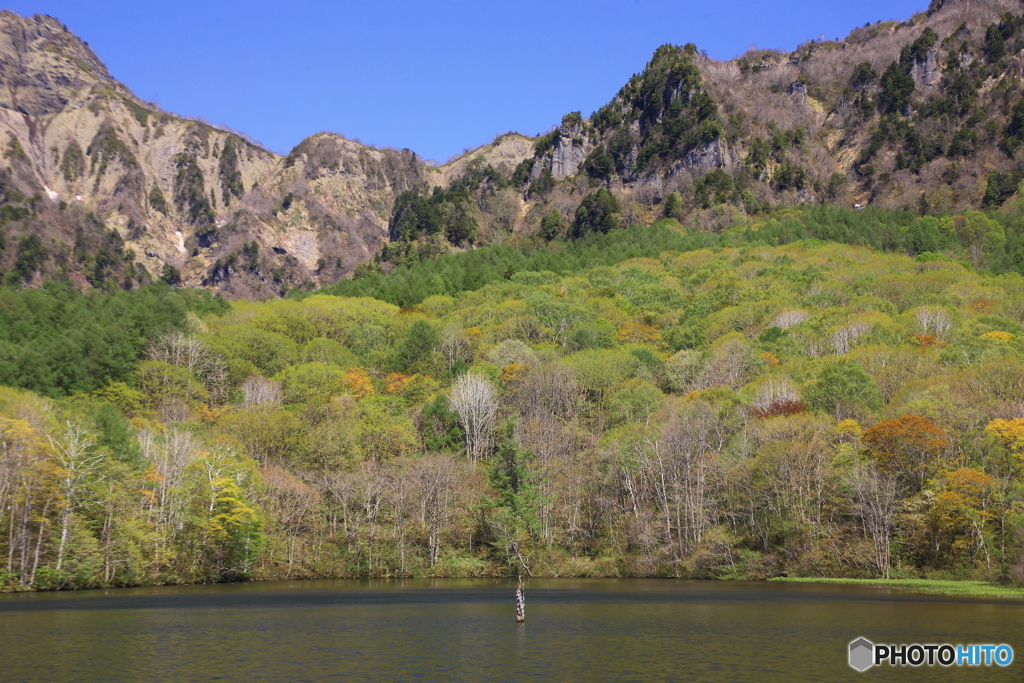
520,602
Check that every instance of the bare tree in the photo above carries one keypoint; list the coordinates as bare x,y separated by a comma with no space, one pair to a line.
845,336
187,351
692,438
728,365
550,389
791,317
934,320
455,345
77,462
876,502
435,482
553,443
293,504
775,394
476,402
260,392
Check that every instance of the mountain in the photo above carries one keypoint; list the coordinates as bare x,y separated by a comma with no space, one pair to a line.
916,114
924,115
101,187
106,190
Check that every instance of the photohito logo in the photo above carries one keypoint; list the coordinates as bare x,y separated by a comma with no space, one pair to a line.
864,654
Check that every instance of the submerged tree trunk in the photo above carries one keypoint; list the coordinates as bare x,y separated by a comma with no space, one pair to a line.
520,602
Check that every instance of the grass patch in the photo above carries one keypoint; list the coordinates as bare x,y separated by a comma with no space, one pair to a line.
979,589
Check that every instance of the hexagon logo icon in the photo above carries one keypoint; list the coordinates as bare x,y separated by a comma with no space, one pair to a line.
862,654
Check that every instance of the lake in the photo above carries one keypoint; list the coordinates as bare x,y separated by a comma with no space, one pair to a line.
465,630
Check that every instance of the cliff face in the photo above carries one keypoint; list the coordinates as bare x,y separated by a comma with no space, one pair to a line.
897,114
925,114
89,168
42,65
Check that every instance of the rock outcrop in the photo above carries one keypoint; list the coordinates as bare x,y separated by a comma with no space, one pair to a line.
714,154
568,150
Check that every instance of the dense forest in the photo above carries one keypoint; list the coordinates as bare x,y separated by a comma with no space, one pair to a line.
749,319
992,242
642,402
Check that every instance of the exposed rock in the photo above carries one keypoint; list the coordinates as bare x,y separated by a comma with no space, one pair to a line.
714,154
100,158
926,72
42,64
504,154
568,151
103,170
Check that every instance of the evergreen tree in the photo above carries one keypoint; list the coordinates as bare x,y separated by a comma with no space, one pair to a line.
416,351
517,485
599,212
897,85
551,225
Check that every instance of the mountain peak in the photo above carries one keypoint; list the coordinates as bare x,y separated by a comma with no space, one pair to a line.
43,65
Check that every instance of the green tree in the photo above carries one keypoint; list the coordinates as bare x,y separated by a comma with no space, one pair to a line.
230,176
714,188
312,382
863,75
897,85
269,435
516,483
544,183
673,205
157,201
551,225
385,430
116,435
599,164
189,191
441,426
31,257
170,275
844,382
599,212
416,352
163,383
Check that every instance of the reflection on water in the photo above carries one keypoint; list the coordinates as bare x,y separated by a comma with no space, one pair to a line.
465,630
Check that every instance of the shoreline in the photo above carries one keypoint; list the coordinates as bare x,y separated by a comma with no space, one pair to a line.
961,588
947,587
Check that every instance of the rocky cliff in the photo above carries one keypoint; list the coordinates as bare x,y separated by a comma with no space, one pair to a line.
925,114
90,168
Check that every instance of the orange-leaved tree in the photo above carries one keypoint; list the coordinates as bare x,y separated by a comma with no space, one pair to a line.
358,383
1010,432
905,446
960,518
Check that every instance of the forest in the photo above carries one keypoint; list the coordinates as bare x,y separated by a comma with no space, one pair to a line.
992,242
648,401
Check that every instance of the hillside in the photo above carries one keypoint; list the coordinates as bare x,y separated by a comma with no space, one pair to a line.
923,115
120,193
806,410
104,190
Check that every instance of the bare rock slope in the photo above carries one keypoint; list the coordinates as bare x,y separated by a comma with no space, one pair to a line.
90,168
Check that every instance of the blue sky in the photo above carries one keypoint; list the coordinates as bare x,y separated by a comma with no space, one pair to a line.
436,77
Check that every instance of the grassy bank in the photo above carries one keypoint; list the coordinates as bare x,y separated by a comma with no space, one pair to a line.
979,589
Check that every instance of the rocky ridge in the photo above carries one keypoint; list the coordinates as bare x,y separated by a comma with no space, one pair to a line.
177,198
101,188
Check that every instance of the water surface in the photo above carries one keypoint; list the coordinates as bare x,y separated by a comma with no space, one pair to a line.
465,630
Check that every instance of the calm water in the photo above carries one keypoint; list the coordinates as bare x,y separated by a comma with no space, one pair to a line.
465,630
